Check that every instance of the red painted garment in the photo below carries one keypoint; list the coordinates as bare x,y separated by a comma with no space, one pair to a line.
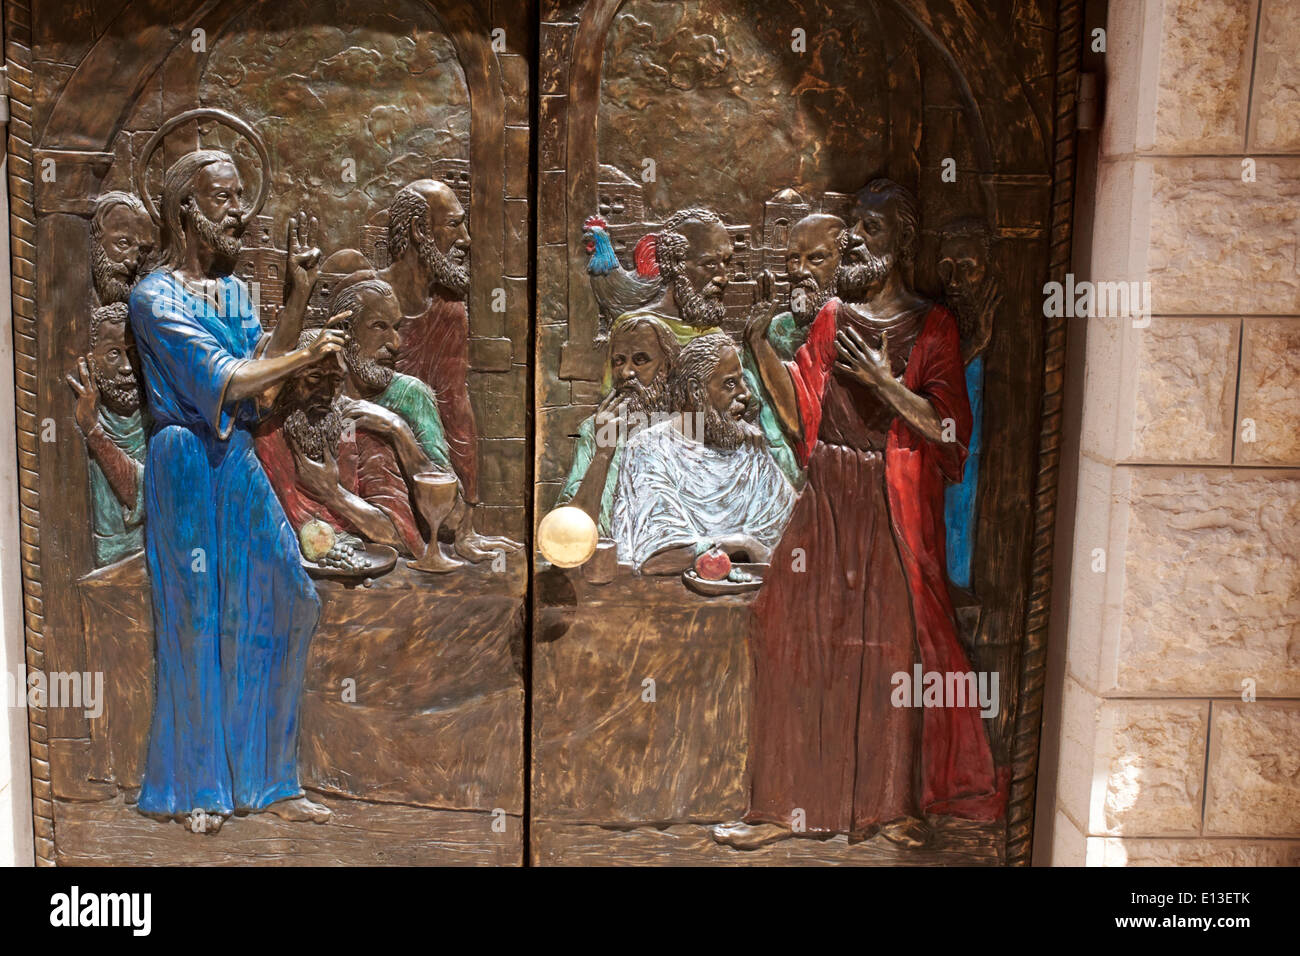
861,568
435,349
368,468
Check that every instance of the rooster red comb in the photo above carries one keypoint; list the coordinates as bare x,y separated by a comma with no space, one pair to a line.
594,221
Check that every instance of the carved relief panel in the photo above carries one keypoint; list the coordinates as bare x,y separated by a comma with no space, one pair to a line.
643,403
795,388
276,324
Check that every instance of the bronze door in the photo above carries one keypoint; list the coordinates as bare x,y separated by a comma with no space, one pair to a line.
322,309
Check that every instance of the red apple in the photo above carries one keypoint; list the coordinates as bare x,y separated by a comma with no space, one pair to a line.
713,565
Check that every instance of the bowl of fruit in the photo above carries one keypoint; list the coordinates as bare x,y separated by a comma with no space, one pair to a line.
714,573
327,553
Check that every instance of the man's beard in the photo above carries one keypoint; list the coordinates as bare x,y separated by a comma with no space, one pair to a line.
441,269
121,394
854,280
721,430
969,305
113,280
226,247
312,434
647,399
807,299
372,374
700,309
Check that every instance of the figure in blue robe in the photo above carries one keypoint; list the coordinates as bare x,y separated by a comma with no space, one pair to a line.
233,609
960,499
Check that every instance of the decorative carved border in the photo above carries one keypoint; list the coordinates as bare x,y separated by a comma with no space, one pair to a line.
1033,655
22,232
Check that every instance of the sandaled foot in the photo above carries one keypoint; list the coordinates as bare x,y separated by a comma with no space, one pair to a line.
300,810
746,836
906,832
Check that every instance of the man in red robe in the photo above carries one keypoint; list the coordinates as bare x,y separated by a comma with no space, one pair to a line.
875,404
340,459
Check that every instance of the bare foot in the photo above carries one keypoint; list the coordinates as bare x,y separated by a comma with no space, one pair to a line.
196,821
745,836
477,547
906,832
299,810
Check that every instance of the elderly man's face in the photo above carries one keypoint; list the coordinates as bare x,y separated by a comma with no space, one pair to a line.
375,330
813,254
127,238
961,265
707,265
447,226
636,354
725,389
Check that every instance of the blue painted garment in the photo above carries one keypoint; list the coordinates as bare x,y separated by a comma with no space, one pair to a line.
233,610
959,500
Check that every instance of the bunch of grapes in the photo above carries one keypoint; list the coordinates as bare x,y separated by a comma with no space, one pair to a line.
342,556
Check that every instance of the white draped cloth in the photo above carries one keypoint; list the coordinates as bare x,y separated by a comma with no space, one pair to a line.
674,491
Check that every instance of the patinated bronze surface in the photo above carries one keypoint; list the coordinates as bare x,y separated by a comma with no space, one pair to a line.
310,168
310,339
750,139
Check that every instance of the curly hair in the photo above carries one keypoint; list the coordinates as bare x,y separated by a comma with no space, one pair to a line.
408,206
113,313
696,361
670,245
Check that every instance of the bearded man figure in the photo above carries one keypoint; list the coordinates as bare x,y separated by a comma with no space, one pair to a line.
350,478
695,481
233,608
642,352
121,242
812,262
111,419
693,254
374,342
971,291
875,403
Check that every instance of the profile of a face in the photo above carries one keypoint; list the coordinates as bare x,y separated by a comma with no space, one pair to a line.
725,388
707,263
376,329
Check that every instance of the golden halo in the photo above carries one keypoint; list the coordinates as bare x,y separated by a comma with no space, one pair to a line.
225,119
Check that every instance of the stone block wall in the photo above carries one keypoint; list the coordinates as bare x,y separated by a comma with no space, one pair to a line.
1179,730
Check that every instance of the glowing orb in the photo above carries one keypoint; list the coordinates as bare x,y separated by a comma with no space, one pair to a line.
567,537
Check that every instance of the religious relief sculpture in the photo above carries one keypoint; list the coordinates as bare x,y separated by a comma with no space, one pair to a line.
875,401
233,607
971,292
111,417
121,244
428,273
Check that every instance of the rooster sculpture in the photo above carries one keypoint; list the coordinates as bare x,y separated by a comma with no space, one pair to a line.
617,289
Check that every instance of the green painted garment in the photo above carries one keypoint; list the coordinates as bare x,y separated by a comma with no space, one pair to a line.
415,402
584,450
787,337
118,531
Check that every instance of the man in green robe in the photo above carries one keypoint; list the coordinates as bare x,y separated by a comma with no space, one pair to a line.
370,354
110,417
